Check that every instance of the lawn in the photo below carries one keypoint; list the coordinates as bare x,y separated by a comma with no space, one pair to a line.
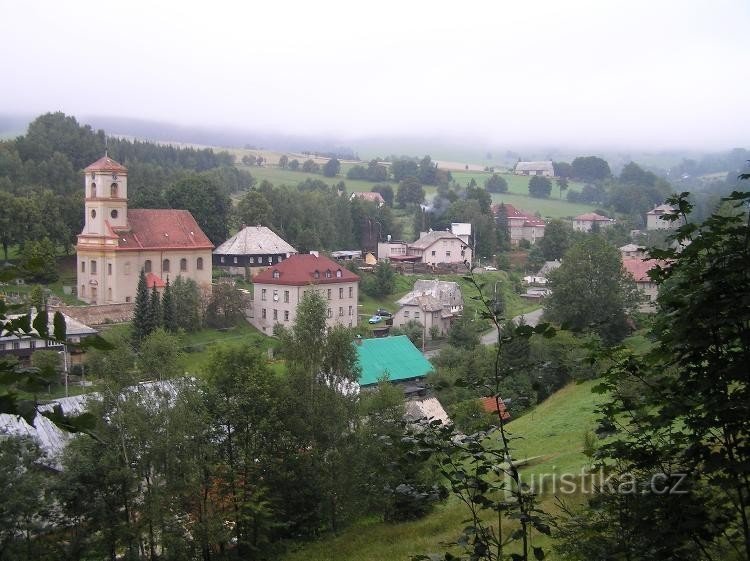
553,432
279,176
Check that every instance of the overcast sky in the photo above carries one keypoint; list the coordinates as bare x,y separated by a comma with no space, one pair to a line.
655,73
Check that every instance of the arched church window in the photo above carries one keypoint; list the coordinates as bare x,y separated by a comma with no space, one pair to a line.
93,190
113,191
199,264
183,264
147,266
113,214
165,266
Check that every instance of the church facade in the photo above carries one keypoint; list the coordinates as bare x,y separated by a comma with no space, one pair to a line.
117,243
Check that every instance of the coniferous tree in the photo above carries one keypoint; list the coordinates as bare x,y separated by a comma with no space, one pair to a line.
141,326
154,308
167,309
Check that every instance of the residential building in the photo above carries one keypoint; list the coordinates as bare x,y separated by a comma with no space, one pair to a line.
548,267
638,269
432,303
521,226
428,408
543,168
655,220
279,289
23,346
462,230
440,246
632,251
117,242
251,250
391,249
585,222
394,357
370,196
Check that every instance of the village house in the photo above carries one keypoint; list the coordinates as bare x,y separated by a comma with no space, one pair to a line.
251,250
632,251
394,357
638,269
655,220
433,303
462,230
521,226
370,196
585,222
543,168
432,248
117,243
279,289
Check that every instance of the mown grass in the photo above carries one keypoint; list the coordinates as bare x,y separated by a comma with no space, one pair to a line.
553,433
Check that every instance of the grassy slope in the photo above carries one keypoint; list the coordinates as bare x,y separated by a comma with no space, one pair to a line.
553,432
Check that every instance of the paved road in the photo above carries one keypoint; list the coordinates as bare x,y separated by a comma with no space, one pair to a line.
490,338
530,318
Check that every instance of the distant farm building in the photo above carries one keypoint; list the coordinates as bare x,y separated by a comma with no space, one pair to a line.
432,303
543,168
585,222
432,248
655,220
521,225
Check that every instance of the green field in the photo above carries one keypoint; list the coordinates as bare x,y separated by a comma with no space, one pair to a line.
553,433
279,176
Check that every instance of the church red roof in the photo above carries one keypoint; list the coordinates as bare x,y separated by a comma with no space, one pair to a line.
161,229
302,269
105,163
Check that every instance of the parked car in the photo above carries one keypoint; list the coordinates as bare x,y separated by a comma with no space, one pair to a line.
383,313
490,268
375,319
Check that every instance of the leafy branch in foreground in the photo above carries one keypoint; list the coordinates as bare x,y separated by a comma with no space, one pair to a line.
481,471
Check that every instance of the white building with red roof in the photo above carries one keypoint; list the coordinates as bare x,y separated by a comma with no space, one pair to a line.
585,222
521,225
117,242
638,269
370,196
279,289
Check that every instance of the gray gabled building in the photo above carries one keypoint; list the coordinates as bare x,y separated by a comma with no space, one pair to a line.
251,250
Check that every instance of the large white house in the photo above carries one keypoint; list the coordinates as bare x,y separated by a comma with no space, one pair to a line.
655,220
279,289
117,242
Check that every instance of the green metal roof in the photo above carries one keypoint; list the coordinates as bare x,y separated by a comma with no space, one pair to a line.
395,355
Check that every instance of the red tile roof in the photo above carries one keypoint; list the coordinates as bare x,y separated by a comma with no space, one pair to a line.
105,163
369,196
513,212
593,217
161,229
301,269
490,406
638,268
152,279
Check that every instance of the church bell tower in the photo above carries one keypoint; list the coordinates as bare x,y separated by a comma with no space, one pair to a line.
106,187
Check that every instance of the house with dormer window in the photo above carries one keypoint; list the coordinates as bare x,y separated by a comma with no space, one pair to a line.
280,287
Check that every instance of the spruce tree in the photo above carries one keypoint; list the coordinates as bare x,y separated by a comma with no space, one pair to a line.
167,309
141,327
154,307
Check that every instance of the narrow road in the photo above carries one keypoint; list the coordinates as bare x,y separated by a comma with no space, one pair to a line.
490,338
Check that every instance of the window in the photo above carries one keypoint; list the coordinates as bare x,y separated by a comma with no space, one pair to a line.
328,274
199,264
93,213
286,315
317,274
113,214
341,292
406,313
83,266
235,260
262,293
286,296
93,267
275,315
109,269
147,266
183,264
251,260
109,294
93,190
93,294
263,314
341,310
16,345
433,254
32,344
338,274
113,190
350,310
83,290
165,265
351,292
416,315
447,253
275,295
127,298
276,274
330,313
329,293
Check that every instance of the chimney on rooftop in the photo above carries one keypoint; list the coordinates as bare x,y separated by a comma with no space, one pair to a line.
315,253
